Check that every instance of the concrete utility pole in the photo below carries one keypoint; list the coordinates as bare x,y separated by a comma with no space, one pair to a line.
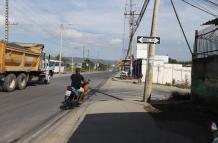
61,47
151,54
131,29
6,22
83,52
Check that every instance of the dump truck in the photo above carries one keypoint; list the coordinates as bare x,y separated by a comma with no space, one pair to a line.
22,62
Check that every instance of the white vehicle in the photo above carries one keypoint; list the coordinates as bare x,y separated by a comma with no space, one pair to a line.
54,66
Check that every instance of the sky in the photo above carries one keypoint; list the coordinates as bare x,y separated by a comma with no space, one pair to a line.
98,26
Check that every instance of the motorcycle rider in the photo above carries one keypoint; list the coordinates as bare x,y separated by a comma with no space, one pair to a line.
77,81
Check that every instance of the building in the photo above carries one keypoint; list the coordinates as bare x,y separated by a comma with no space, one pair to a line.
163,71
205,64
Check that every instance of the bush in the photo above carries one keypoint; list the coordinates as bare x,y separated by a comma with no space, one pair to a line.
180,96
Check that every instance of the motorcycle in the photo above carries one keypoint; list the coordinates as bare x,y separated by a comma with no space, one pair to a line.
73,96
214,131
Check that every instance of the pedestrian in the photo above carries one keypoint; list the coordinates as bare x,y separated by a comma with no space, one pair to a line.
140,78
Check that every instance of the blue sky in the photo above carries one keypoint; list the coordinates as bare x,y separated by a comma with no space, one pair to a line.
97,25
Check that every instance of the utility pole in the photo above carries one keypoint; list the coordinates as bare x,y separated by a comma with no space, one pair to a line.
6,22
132,25
131,28
83,52
88,54
61,47
151,54
88,58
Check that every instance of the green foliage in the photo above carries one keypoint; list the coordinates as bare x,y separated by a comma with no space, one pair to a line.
88,65
102,67
174,61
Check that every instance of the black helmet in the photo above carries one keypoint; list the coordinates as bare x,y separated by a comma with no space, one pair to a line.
77,70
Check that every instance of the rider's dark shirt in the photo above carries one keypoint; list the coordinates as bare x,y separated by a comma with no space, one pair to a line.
76,80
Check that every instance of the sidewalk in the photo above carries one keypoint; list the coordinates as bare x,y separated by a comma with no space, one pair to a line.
122,121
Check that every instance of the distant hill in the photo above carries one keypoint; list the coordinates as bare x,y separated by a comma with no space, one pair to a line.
77,60
80,60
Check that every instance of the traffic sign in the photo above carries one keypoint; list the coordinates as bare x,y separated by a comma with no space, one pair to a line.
148,40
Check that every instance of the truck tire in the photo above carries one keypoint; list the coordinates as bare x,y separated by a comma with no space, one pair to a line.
47,81
10,83
21,81
1,86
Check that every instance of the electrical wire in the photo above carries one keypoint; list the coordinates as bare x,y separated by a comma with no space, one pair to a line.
211,2
124,30
199,8
138,21
202,6
183,32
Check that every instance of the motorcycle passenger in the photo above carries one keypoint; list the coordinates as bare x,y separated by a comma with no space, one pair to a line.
76,82
86,89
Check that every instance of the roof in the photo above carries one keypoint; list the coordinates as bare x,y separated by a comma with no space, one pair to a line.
213,21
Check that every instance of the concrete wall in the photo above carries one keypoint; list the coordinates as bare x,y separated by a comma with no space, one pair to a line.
205,79
167,73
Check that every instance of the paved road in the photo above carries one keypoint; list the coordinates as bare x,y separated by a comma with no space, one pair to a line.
22,112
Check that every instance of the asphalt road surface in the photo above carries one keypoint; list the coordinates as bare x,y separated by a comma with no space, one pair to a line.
22,112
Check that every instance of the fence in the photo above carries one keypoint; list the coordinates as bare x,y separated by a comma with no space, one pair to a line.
205,66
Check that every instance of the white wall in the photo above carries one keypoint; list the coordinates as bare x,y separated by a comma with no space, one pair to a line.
165,73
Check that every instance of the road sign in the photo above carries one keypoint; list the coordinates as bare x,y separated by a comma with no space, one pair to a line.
148,40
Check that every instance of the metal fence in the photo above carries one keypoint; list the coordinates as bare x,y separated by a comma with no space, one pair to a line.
206,42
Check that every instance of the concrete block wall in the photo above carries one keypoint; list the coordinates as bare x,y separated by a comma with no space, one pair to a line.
167,73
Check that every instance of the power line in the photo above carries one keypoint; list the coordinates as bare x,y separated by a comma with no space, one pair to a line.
183,32
202,7
124,30
136,25
199,8
211,2
142,12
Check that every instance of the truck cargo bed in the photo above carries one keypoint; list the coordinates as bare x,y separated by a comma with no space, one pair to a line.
18,57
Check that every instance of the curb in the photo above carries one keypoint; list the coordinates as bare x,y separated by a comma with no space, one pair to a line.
61,130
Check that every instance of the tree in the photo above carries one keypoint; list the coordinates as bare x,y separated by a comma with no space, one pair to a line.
88,65
102,67
174,61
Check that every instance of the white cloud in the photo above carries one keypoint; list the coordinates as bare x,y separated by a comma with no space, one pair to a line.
116,41
72,33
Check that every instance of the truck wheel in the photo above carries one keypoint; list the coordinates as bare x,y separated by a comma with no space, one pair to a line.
10,83
47,80
21,81
1,86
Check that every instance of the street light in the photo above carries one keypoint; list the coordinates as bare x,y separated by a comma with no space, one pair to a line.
83,50
61,45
